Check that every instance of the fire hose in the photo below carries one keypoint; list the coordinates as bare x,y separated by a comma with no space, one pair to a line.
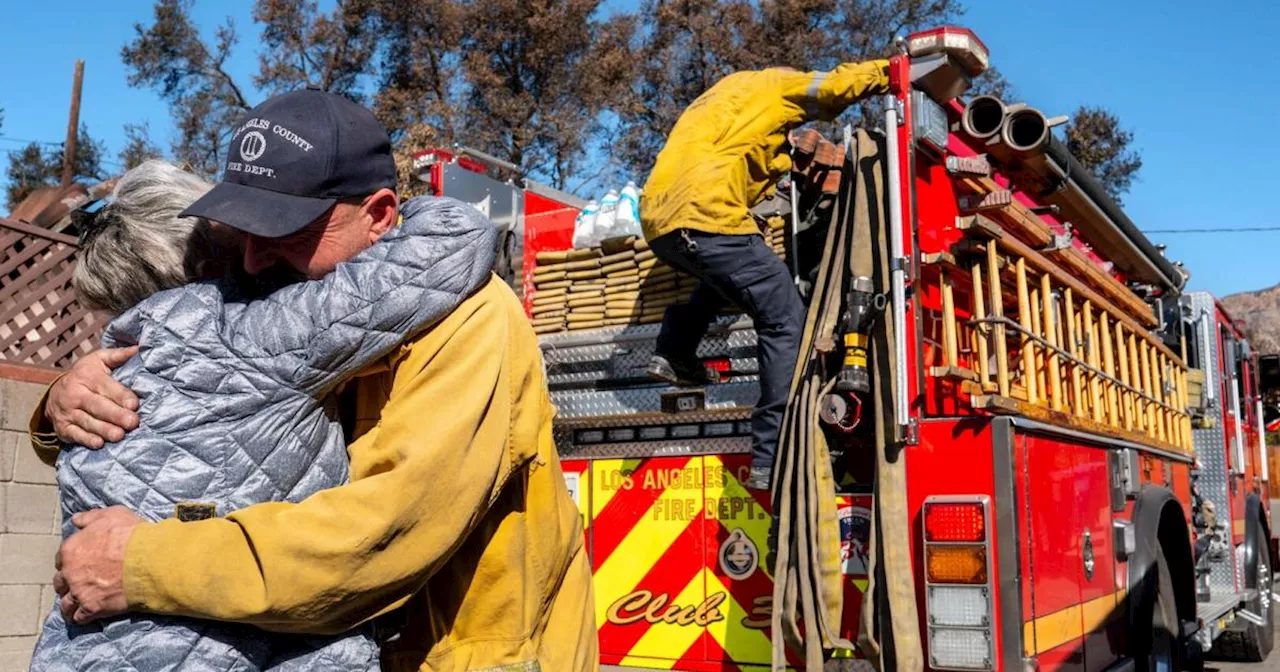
807,567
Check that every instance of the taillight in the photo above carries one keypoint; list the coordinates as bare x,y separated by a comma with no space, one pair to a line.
955,521
958,603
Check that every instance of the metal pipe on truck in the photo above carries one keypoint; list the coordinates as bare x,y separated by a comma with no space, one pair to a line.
1021,137
983,116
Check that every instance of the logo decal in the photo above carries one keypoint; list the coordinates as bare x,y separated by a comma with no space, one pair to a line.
643,605
252,146
189,511
855,536
739,556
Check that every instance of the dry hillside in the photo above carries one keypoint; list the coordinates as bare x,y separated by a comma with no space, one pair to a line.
1260,313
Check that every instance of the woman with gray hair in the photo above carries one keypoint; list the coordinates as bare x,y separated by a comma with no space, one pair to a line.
141,246
237,396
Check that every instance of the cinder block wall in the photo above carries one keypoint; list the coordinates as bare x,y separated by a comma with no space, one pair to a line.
29,521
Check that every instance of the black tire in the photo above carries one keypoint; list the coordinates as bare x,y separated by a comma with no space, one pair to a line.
504,261
1253,643
1158,646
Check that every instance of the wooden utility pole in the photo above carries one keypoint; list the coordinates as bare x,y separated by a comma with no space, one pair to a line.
73,124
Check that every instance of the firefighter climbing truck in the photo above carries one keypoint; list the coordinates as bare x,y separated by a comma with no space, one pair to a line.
1085,476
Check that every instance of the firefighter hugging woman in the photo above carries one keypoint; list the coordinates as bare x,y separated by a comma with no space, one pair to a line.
235,540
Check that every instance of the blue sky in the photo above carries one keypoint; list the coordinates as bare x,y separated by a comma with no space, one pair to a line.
1196,84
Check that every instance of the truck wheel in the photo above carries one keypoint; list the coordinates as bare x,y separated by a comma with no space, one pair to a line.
1157,647
505,256
1252,643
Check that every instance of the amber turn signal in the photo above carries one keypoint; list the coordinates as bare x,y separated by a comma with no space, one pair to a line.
956,564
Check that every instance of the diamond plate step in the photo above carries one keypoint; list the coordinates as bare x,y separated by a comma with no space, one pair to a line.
597,378
575,404
617,357
1218,604
1211,448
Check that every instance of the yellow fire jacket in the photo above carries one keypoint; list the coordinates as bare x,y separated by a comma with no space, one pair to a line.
725,152
457,511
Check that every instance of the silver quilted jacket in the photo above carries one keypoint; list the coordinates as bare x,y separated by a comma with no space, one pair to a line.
237,408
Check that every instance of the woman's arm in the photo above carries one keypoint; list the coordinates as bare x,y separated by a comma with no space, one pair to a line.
312,335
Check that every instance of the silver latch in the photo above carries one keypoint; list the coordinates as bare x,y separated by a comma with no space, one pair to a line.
1089,562
1126,540
1129,472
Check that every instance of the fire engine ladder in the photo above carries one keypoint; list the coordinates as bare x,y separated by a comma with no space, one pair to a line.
1047,333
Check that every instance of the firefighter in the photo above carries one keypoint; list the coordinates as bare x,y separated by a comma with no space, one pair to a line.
456,531
724,155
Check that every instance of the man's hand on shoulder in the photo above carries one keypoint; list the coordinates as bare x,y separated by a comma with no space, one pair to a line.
90,564
89,407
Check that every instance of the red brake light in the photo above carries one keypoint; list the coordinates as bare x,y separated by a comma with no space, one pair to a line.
721,365
955,521
472,165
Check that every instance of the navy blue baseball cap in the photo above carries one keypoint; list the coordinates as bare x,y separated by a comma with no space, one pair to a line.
292,158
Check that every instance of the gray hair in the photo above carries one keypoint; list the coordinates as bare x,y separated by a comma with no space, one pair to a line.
142,246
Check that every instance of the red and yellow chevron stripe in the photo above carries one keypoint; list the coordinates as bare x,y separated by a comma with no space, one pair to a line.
678,549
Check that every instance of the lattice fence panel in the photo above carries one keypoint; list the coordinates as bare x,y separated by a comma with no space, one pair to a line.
41,322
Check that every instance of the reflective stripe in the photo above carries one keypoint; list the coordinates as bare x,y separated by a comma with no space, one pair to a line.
1069,624
816,85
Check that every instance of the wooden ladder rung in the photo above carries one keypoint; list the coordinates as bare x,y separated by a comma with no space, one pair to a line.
1051,330
1042,379
1024,320
996,310
950,331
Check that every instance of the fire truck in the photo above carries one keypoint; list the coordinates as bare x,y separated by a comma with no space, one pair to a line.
1269,381
1080,438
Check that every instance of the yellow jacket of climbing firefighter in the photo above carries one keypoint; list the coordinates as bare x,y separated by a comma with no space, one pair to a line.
725,152
457,511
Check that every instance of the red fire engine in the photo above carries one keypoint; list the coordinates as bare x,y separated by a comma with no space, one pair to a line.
1082,440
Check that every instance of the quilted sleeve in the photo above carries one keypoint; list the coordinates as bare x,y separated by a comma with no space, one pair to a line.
312,335
120,332
346,554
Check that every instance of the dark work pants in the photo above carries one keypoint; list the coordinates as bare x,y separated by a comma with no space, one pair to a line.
742,270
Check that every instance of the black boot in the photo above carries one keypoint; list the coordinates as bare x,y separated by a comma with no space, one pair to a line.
675,373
